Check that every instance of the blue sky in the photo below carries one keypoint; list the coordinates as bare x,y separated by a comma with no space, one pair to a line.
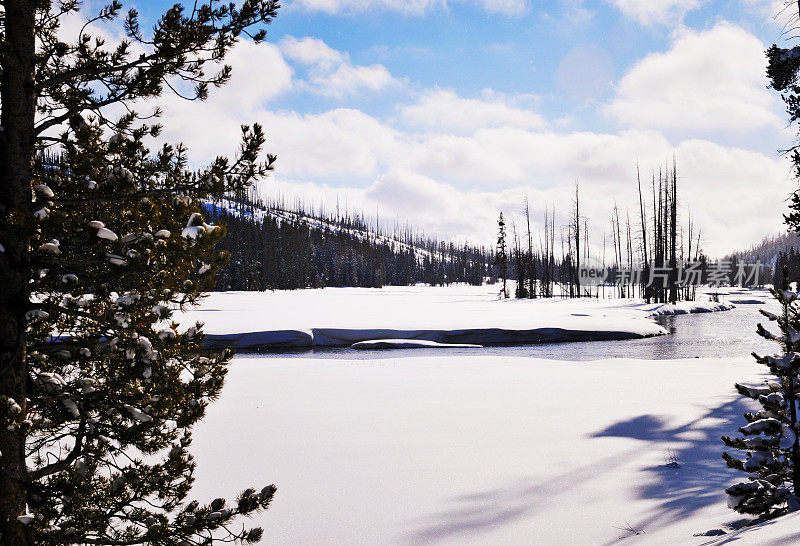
445,113
464,47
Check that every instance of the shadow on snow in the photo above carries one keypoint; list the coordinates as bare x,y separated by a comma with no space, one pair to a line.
697,482
700,477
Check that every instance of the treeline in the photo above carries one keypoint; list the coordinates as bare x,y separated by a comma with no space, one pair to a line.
790,259
773,253
274,248
643,256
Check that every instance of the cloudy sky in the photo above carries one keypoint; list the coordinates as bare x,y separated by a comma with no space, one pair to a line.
443,113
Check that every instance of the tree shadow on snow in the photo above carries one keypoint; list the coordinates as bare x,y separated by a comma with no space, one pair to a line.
481,511
693,475
698,480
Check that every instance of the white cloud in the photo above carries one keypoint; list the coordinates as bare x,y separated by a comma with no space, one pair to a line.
649,12
310,51
349,79
330,71
737,196
408,7
505,7
341,143
712,180
455,184
212,127
709,80
259,75
412,7
445,111
477,156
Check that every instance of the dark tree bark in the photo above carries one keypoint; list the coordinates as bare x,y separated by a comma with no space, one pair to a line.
18,101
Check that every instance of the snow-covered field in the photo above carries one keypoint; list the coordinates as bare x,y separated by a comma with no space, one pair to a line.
481,449
454,314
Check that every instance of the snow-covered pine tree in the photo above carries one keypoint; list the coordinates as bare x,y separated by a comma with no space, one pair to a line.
770,443
99,388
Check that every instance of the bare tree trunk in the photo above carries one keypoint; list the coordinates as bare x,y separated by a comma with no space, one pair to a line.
660,242
630,253
689,253
565,268
588,290
604,262
552,251
531,271
518,264
18,101
615,229
614,244
673,261
577,242
643,220
544,247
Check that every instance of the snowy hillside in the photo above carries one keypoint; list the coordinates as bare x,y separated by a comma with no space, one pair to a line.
272,247
326,224
768,249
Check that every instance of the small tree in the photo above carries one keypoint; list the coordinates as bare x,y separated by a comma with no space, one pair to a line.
99,387
770,442
501,258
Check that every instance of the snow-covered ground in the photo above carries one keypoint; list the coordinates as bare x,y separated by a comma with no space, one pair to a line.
784,531
481,449
454,314
410,344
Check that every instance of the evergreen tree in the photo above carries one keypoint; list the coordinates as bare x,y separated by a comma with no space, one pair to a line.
772,454
501,259
99,388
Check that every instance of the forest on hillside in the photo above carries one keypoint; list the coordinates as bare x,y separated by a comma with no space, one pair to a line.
773,253
272,248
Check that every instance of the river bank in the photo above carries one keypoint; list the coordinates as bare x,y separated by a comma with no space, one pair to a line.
340,317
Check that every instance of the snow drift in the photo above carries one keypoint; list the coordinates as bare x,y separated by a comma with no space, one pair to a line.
409,344
340,317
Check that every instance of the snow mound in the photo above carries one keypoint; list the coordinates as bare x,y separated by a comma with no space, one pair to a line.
685,307
410,344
